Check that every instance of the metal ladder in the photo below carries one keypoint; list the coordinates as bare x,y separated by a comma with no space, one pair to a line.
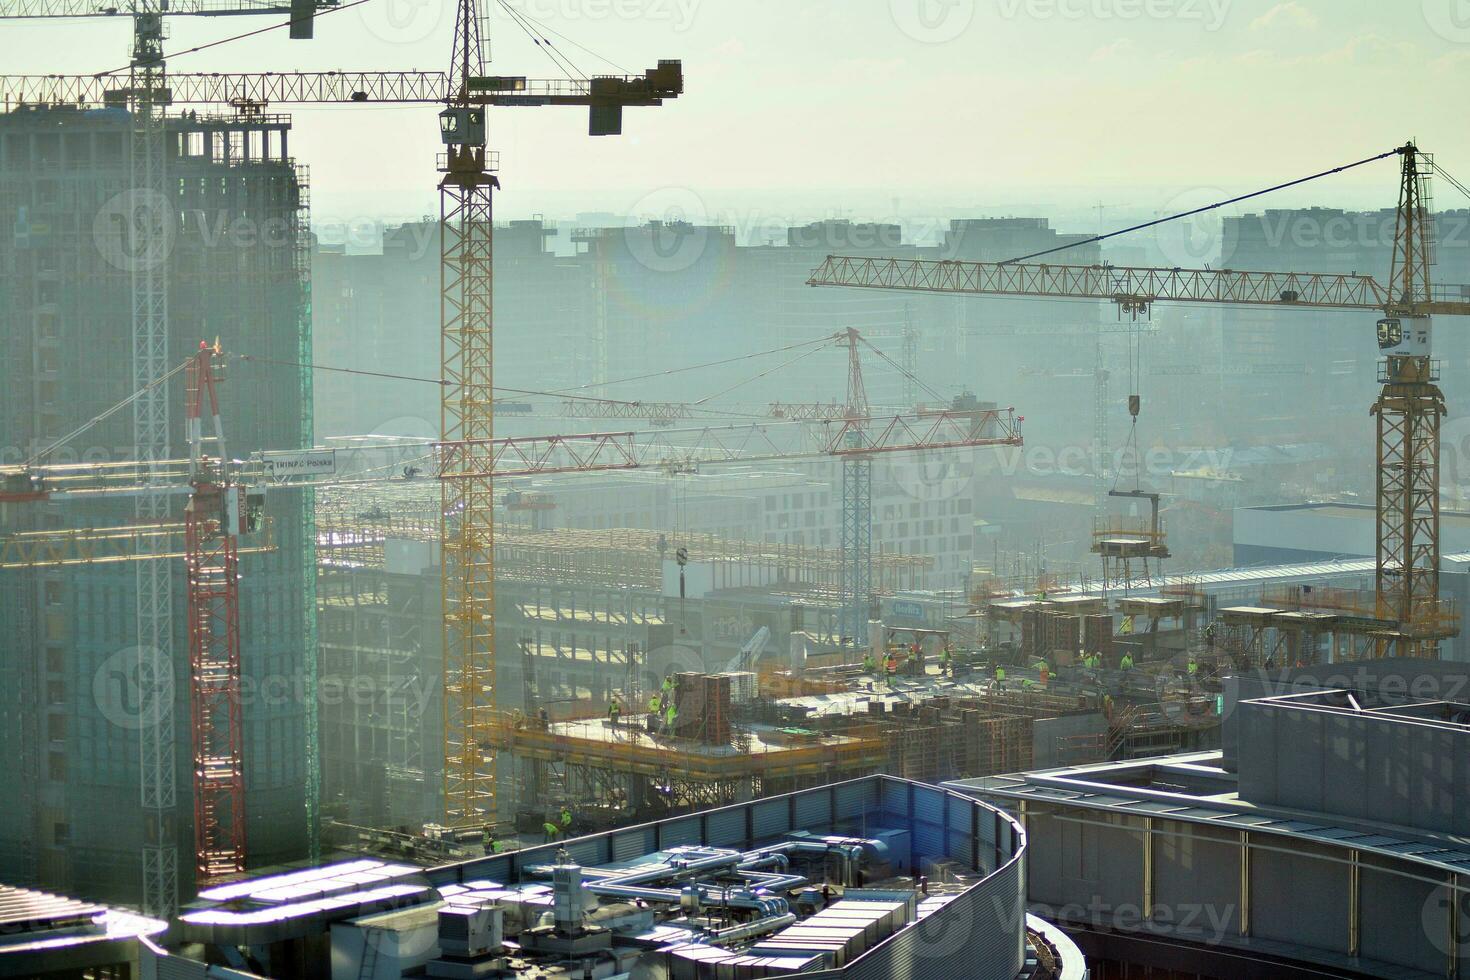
368,965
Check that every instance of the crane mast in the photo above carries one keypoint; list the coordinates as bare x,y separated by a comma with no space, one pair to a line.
467,416
1408,410
146,213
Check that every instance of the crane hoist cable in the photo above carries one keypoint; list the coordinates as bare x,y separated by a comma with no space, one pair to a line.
1201,210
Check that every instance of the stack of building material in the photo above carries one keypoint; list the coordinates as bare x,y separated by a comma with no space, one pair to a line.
702,703
839,934
744,686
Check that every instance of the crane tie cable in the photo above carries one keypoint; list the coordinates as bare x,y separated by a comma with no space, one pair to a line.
240,37
1201,210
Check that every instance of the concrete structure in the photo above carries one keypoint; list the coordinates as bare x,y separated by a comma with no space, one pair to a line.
237,270
873,878
583,615
1327,833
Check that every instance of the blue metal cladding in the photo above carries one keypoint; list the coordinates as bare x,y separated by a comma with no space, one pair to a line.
634,843
725,828
682,830
586,852
771,818
854,799
813,810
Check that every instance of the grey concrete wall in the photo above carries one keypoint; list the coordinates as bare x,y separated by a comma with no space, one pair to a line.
1086,866
1046,733
1360,766
1394,677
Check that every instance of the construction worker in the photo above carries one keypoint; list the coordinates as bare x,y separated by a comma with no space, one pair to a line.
614,711
655,705
566,818
1108,707
1127,663
1193,667
550,830
870,666
1000,673
670,713
946,661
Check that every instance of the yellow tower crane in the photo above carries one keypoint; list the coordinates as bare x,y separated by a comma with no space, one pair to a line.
1409,407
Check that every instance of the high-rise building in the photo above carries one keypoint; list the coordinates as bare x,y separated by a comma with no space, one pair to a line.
236,262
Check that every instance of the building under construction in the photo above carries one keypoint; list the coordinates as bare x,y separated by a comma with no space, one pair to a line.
235,261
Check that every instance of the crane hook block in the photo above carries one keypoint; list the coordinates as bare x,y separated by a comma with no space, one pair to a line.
1134,404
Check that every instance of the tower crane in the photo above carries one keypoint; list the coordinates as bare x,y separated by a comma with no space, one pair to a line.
1409,407
467,179
146,97
225,498
857,466
218,512
466,405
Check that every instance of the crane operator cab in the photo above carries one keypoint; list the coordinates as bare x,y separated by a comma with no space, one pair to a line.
1406,344
463,126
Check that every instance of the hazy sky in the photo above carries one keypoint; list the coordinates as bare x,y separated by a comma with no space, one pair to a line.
879,107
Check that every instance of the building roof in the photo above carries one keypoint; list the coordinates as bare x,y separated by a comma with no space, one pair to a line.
1178,787
40,932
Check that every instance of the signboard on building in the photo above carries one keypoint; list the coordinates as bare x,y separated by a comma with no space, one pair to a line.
304,463
906,609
